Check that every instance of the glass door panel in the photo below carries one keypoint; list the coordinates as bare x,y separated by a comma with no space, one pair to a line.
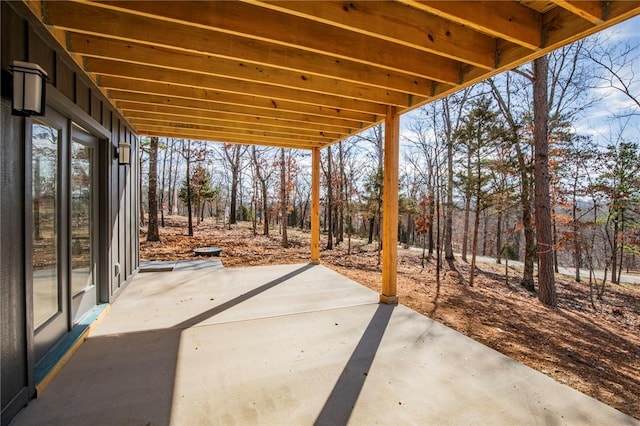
47,296
50,288
81,218
83,223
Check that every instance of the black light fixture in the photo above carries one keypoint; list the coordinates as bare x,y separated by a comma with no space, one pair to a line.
29,89
123,153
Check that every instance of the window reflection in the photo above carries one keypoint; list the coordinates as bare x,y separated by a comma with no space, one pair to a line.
44,227
81,218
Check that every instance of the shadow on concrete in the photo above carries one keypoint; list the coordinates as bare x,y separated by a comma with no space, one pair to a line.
133,371
343,397
242,298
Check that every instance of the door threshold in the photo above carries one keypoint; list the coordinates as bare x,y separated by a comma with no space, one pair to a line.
49,366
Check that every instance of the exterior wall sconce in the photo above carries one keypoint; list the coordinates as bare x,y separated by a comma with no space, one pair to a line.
123,152
29,89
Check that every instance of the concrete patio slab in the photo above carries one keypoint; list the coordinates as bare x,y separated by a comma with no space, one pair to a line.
291,345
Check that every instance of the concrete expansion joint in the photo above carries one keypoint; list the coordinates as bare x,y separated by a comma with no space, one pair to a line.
293,314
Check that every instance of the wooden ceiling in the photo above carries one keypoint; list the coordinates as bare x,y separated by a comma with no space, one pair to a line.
302,73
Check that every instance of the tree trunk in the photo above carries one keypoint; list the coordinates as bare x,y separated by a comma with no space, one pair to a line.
467,208
170,176
448,224
430,233
265,208
476,218
283,198
329,201
529,235
174,190
189,207
499,236
614,251
485,231
546,279
164,185
142,221
340,236
153,233
465,230
554,239
234,164
577,249
621,246
234,197
372,221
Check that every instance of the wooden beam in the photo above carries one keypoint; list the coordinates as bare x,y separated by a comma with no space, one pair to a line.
562,27
215,107
240,114
222,84
211,101
507,20
592,11
390,208
216,137
106,48
177,121
315,205
262,24
419,30
89,19
184,115
175,90
240,133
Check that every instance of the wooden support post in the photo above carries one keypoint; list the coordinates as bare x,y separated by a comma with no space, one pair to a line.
390,208
315,205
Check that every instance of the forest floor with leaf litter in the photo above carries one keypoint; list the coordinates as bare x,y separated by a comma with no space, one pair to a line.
596,351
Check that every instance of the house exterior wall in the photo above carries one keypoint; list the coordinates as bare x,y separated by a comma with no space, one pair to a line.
73,95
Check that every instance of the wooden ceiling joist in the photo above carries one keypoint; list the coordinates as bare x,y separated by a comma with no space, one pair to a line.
162,113
419,30
191,122
227,138
302,73
268,80
247,111
260,24
239,133
352,118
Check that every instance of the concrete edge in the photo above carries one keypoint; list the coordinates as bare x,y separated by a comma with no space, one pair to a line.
75,344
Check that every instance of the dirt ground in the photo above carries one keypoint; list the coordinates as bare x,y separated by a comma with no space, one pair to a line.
596,351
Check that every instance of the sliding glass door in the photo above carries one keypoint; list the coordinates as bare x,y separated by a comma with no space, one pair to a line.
63,216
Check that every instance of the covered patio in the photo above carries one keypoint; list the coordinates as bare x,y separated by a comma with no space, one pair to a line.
306,74
294,344
273,345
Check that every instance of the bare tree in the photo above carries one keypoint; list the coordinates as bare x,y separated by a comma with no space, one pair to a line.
619,66
283,198
546,277
263,173
153,233
329,175
233,155
451,119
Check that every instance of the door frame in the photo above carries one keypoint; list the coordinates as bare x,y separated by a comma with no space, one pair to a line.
58,121
82,136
